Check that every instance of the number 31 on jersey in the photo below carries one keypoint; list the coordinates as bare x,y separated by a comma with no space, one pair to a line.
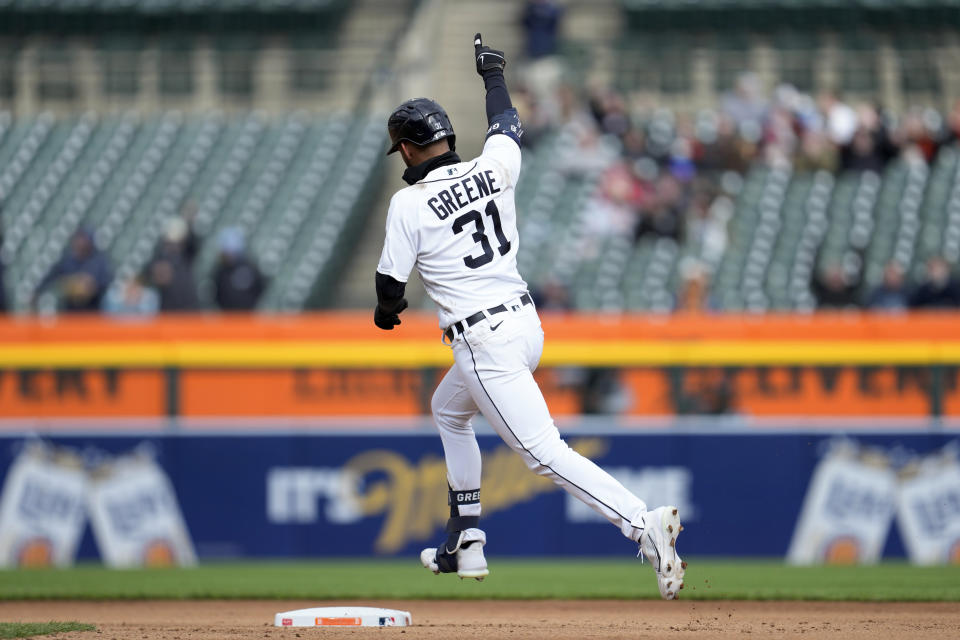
480,237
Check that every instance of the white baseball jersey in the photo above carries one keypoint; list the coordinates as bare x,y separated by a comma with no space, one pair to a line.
458,227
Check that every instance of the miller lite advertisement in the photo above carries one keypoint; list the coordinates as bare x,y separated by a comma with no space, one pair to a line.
928,508
848,509
42,508
176,498
135,516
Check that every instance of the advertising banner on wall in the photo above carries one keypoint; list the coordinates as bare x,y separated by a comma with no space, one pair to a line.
50,491
75,393
928,508
570,391
848,508
135,516
383,493
42,508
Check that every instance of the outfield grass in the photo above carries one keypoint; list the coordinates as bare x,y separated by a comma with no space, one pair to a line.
28,629
509,578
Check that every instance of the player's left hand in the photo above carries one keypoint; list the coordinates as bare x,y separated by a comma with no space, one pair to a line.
487,59
387,321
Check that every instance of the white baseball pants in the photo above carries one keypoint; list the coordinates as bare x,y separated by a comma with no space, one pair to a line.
493,374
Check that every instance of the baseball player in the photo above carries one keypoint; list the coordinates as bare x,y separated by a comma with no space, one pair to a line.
456,223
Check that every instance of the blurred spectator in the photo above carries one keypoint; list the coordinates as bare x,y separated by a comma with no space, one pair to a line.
918,134
662,214
683,149
237,279
780,140
541,19
190,243
723,148
82,275
862,153
841,119
816,153
610,112
553,295
870,149
588,154
679,176
613,211
952,129
834,289
745,104
940,289
171,270
891,295
694,294
706,232
131,298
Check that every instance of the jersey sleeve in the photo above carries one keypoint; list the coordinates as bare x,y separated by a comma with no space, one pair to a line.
400,246
504,152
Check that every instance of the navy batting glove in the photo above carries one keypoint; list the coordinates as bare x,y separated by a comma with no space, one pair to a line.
387,321
487,59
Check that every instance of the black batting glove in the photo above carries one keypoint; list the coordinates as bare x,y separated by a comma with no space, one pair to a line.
387,321
487,59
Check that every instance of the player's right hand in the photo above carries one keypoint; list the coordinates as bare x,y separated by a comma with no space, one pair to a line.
387,321
487,59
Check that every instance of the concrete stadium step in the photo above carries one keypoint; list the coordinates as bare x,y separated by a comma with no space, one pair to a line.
449,27
356,290
599,21
457,85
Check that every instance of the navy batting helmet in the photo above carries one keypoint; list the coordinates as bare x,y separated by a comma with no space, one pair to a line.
420,121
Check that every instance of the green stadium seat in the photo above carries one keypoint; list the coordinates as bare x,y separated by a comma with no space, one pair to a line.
125,178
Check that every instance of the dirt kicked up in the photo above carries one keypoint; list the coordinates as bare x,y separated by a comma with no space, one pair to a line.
464,620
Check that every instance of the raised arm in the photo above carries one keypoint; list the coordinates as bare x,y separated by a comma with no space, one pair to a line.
501,116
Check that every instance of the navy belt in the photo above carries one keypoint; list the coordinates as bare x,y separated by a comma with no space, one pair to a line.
457,327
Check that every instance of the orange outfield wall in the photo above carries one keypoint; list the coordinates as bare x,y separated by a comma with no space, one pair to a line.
340,364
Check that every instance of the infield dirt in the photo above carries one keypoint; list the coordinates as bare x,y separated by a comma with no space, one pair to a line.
488,619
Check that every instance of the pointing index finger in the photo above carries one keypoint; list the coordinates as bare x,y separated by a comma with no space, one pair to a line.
477,41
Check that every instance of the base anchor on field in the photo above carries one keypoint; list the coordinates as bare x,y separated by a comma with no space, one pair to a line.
343,617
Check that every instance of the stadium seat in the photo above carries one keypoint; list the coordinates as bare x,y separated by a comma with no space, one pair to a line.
125,177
